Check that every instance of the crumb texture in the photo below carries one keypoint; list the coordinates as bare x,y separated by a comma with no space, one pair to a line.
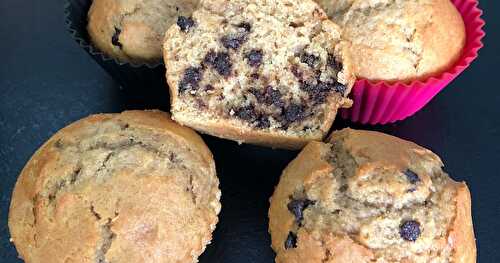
399,39
129,187
370,197
258,68
133,30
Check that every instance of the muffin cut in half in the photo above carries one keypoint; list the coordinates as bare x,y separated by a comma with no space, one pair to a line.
129,187
271,73
369,197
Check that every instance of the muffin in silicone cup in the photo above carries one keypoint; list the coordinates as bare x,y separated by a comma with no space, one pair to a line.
387,90
121,36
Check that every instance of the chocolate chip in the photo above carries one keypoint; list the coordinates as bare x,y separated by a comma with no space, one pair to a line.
115,39
411,176
245,25
185,23
409,230
233,41
340,88
333,63
269,96
254,57
246,113
318,89
294,112
291,241
223,64
263,122
309,59
220,61
297,207
273,97
190,80
210,57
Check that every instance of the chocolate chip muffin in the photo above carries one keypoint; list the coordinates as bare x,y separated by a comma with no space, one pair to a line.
369,197
272,73
129,187
133,30
400,40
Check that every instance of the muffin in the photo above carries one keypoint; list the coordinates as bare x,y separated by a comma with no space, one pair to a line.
129,187
271,73
133,30
400,40
369,197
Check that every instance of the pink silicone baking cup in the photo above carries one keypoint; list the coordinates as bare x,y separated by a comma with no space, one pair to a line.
383,102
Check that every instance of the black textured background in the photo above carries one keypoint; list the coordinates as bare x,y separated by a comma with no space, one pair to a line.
47,82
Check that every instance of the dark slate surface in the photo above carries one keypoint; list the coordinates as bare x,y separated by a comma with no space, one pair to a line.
47,81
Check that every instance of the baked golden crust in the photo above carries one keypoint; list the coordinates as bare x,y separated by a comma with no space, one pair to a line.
340,222
400,40
129,187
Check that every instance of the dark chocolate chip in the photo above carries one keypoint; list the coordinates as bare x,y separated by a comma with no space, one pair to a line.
297,207
309,59
333,63
255,76
210,57
294,112
185,23
263,122
291,241
246,113
411,176
269,96
340,88
254,57
233,41
273,97
245,25
115,39
409,230
317,91
223,64
220,61
190,80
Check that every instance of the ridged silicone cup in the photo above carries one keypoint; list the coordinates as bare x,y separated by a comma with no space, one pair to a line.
383,102
128,75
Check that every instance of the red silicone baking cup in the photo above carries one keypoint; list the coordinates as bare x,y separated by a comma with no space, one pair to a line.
383,102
